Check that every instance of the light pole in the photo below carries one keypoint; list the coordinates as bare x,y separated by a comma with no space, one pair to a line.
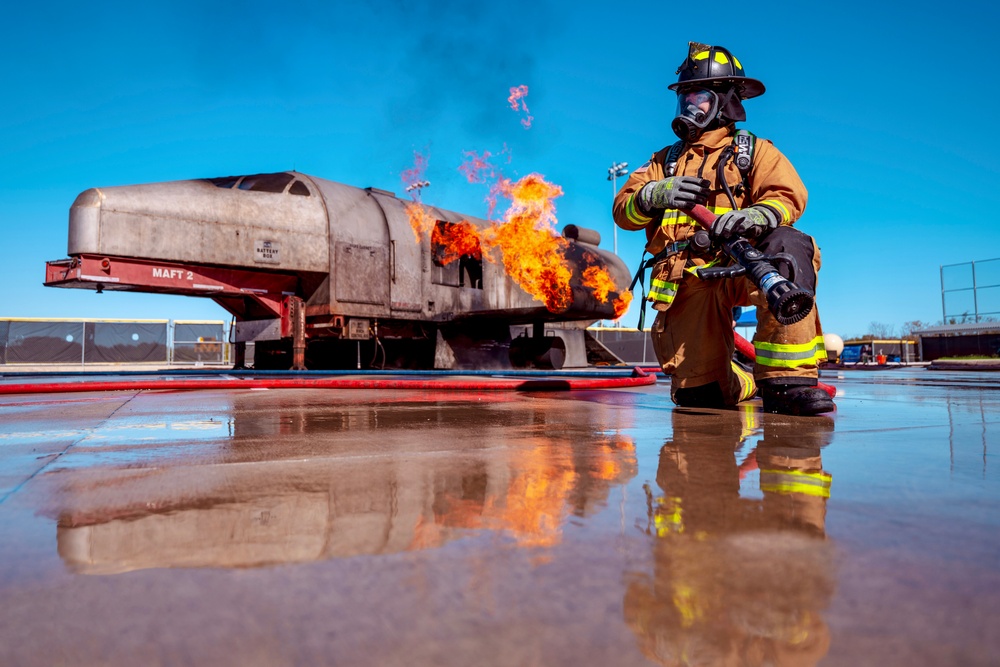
418,186
614,171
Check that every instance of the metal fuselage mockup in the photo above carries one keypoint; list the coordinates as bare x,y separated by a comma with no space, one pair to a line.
306,266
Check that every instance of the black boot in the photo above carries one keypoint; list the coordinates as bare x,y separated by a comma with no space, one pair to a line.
801,398
702,396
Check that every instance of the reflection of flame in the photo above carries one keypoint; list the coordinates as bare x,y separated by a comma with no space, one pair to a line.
533,505
517,95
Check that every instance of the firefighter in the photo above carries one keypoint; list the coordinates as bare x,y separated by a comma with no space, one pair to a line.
757,194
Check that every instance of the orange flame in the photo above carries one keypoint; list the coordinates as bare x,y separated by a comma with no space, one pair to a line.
517,95
533,503
599,281
420,220
621,303
479,169
453,240
533,254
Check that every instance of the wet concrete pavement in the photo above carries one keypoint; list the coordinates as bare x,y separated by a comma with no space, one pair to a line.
353,527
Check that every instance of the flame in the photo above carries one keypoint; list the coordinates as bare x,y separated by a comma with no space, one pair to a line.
621,304
421,221
517,95
599,281
453,240
531,251
533,254
479,169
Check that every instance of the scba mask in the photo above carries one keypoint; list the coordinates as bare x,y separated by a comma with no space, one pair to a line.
696,109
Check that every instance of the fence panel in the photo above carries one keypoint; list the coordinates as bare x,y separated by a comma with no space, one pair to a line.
125,342
199,342
37,342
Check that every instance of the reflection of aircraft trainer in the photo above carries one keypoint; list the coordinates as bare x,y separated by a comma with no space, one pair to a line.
736,580
327,274
285,504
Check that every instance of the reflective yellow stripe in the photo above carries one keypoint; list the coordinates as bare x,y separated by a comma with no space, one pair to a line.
747,385
781,208
693,270
790,356
719,57
662,290
685,601
633,214
675,217
796,481
748,417
669,518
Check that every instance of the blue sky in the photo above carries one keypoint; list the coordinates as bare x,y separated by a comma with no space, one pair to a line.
888,111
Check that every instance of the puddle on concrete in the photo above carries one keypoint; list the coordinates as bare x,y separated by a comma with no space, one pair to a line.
595,528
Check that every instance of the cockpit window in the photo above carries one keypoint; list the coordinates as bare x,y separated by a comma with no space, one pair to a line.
262,183
266,182
224,181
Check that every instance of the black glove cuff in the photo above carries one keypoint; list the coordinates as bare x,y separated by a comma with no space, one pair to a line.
774,216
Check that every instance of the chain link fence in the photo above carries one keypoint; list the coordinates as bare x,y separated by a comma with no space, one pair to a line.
970,292
93,341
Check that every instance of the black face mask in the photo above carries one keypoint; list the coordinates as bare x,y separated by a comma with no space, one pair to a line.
699,109
696,108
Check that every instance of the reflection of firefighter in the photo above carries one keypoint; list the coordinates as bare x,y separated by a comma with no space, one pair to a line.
736,580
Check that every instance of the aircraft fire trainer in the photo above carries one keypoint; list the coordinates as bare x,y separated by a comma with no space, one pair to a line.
320,274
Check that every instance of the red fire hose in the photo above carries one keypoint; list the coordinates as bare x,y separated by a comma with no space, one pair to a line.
637,379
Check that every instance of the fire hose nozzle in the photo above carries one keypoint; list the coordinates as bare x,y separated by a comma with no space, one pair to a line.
788,302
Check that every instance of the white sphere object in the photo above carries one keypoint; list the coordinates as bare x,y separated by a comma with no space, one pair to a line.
834,345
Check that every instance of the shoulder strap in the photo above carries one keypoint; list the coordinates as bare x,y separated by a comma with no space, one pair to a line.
744,142
673,155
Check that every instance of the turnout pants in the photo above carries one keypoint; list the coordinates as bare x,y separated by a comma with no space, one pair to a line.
693,338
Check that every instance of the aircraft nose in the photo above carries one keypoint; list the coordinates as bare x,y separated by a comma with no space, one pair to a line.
84,222
89,198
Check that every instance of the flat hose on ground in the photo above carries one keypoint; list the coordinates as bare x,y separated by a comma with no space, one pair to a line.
496,382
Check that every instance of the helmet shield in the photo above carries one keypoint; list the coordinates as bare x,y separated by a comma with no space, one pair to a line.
696,109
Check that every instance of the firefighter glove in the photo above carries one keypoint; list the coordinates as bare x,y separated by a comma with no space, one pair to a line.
751,223
681,192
